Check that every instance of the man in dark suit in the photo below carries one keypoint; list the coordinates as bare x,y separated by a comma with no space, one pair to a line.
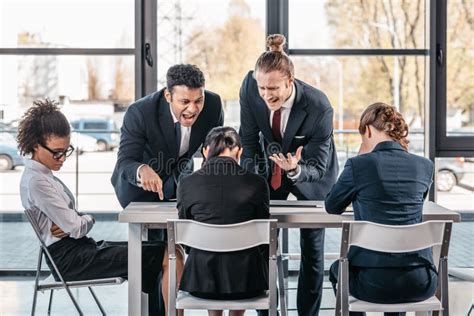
160,134
287,134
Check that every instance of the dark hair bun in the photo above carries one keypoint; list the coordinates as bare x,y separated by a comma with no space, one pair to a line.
276,42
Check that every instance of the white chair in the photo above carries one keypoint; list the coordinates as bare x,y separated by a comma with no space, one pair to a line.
465,274
51,284
222,238
395,239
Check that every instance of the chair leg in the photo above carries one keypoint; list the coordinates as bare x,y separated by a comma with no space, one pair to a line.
97,301
68,290
38,268
50,302
281,285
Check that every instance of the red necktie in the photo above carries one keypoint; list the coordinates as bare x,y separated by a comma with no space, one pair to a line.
275,182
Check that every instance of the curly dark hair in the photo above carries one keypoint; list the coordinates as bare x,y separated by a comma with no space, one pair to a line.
42,120
387,119
184,74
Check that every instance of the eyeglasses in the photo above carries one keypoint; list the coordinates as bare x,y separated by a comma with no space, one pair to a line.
59,154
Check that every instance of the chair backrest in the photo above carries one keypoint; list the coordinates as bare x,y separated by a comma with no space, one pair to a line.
399,238
36,228
221,238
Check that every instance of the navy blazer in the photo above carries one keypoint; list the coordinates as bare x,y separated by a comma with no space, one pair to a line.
386,186
310,125
148,137
222,192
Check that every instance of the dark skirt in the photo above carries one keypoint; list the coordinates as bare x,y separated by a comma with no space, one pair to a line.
226,275
389,285
85,259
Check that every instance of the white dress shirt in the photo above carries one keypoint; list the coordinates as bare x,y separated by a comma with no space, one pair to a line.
51,202
185,135
285,111
285,115
184,143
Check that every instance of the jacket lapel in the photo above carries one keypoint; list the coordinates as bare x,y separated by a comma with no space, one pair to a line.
297,116
167,126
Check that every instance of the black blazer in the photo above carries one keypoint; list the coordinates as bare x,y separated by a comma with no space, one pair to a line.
309,125
148,137
386,186
222,192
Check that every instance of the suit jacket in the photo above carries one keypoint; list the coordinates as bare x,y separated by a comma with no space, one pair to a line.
222,192
148,137
386,186
309,125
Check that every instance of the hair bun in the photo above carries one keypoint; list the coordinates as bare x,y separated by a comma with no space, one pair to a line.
276,42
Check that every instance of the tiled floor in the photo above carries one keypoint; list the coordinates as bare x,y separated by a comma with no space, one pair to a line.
19,248
16,298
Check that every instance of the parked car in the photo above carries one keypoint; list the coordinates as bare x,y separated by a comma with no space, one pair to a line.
107,140
449,173
84,143
9,154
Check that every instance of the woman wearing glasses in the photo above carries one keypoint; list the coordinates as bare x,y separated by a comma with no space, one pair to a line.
44,132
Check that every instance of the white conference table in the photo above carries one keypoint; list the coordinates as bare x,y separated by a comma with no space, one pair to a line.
142,216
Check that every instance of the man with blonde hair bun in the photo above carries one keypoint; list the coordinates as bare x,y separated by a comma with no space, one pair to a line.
288,123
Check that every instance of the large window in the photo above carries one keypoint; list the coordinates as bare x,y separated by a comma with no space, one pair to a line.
81,55
97,56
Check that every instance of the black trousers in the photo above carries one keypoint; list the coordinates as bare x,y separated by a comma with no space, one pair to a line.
84,259
160,235
388,285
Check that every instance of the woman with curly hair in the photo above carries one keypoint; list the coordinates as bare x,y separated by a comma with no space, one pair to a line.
44,133
385,185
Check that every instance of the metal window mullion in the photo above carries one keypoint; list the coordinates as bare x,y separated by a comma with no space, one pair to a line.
150,73
138,49
430,117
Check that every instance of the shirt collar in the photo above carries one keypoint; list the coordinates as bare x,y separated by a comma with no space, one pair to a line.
37,166
388,145
175,120
291,100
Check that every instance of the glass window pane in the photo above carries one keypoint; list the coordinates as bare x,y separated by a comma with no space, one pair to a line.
223,38
69,79
67,23
94,87
455,183
460,70
356,24
353,83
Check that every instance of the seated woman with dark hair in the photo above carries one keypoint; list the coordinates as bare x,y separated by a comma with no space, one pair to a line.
385,185
222,192
44,132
